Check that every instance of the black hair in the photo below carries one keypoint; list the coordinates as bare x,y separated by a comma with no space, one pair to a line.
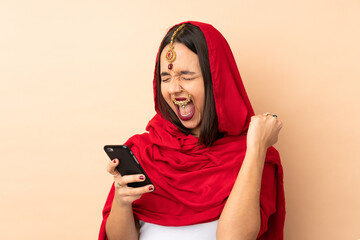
193,38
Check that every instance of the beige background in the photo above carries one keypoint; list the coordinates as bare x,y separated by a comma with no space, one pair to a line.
76,75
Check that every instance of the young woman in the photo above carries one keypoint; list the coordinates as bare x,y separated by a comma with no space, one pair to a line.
211,160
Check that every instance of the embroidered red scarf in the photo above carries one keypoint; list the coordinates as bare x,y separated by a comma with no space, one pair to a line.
192,184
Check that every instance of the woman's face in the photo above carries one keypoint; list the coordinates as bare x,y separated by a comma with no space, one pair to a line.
183,86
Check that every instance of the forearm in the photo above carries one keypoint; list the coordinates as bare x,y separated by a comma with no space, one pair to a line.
240,218
121,224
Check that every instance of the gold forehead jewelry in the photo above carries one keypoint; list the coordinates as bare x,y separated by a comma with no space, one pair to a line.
171,55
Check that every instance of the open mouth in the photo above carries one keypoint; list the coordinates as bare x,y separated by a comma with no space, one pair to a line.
185,107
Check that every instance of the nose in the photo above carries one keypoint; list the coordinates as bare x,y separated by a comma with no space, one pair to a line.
174,86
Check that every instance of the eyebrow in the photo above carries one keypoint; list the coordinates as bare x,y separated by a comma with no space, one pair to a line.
181,72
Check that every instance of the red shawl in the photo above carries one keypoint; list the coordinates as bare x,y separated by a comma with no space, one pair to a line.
192,184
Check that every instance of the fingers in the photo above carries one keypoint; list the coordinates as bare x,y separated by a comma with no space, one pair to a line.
266,116
262,117
264,129
124,180
125,195
128,194
111,167
129,191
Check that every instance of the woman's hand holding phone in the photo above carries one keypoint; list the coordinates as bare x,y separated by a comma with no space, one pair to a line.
125,195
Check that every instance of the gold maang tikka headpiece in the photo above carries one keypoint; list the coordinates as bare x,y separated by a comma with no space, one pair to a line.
171,55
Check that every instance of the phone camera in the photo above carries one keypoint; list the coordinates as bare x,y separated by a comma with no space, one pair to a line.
110,149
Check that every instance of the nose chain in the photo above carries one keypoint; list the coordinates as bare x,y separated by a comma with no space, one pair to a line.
182,103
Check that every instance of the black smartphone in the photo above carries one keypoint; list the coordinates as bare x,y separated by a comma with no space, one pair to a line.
128,163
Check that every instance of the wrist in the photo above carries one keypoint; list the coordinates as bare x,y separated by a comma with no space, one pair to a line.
259,148
256,152
122,204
